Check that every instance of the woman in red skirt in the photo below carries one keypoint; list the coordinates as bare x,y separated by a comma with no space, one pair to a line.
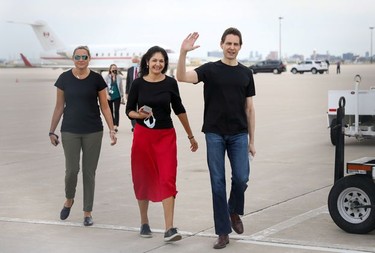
154,149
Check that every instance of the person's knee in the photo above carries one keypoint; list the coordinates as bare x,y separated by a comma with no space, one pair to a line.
241,182
72,172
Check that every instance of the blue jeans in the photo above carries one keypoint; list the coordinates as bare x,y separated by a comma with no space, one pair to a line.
238,154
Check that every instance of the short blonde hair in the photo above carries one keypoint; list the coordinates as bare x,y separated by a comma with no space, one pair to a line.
84,48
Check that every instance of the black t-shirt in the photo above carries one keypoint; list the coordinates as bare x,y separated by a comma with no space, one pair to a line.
81,111
225,91
159,96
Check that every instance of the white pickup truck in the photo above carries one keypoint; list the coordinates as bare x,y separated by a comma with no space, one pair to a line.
309,66
359,112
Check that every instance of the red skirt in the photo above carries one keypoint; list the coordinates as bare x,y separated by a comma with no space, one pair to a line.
154,163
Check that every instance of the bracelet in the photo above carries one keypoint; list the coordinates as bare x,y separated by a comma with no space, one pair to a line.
50,133
191,137
112,131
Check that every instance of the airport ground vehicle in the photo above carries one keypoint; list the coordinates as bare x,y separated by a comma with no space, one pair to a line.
269,66
360,112
351,201
309,66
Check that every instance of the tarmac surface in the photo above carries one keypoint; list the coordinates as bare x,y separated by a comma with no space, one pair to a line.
286,201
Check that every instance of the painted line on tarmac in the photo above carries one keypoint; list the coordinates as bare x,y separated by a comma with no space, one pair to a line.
293,244
64,223
288,223
302,245
257,238
80,224
262,237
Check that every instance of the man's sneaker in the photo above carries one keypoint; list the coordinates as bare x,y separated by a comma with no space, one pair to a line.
172,235
145,231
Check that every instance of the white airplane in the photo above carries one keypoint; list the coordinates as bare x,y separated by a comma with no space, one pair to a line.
57,55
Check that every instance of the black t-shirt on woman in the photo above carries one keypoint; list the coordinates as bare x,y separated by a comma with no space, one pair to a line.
157,95
81,111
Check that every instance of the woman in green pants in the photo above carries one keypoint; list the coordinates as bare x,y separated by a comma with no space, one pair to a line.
78,92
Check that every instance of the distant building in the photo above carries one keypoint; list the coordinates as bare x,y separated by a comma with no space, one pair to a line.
348,57
255,57
296,58
215,54
273,55
320,57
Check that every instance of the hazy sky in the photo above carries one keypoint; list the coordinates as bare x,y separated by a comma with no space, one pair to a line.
336,26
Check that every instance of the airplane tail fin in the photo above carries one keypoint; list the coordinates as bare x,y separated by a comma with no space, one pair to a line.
46,36
26,61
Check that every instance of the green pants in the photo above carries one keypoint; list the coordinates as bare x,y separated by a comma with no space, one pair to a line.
90,144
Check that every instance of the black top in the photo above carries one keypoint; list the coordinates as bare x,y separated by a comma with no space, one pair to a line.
81,111
225,91
157,95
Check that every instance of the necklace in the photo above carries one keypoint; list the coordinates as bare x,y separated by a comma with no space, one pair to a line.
80,76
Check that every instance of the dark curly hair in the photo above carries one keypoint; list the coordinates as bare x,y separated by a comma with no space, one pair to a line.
147,56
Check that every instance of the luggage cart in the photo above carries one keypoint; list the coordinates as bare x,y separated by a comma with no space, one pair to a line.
351,201
359,120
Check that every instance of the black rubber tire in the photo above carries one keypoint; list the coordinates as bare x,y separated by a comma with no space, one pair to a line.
333,131
347,193
314,71
294,71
